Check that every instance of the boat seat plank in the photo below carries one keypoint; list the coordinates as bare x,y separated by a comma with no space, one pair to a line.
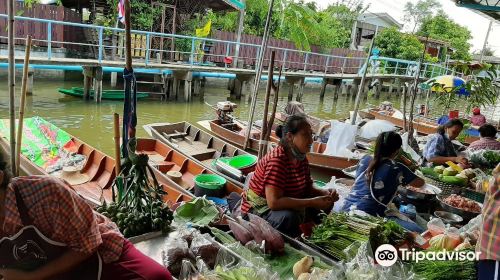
175,135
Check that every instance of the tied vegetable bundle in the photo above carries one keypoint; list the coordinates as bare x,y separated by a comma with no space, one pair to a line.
339,231
138,207
444,270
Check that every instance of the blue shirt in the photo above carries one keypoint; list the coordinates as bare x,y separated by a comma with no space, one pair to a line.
439,145
388,176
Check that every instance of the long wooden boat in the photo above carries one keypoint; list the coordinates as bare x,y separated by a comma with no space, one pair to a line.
165,158
234,134
100,169
107,94
422,125
316,157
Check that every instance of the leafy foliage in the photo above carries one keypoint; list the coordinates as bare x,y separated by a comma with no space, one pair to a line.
393,43
441,27
144,14
416,13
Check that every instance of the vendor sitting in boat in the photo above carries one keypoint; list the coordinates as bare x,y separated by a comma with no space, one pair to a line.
65,236
487,141
378,179
281,188
439,148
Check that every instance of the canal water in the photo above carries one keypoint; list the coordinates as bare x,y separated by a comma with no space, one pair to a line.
93,123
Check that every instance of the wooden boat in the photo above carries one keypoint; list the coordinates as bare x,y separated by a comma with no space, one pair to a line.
100,169
316,157
423,126
165,158
234,134
108,94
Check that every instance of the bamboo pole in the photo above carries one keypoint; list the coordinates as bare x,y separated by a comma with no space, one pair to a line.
23,102
258,73
116,126
276,91
270,84
414,93
12,85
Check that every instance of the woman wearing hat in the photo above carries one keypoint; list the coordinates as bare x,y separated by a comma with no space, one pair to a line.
477,119
47,231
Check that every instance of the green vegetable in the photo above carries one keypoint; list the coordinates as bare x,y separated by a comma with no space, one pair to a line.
138,206
453,180
444,270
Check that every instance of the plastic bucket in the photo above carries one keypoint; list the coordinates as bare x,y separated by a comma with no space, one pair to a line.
209,185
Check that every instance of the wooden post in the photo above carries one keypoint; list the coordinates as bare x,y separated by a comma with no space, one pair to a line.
291,85
23,103
116,126
31,77
323,89
128,40
301,89
12,85
362,84
258,72
276,91
270,81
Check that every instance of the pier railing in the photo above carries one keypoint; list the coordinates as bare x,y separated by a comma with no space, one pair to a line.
106,43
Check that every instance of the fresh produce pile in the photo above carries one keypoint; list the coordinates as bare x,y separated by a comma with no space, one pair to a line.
338,231
486,159
449,175
420,190
444,270
259,231
290,263
189,246
139,208
463,203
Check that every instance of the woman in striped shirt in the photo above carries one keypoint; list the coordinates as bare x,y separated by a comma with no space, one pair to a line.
281,188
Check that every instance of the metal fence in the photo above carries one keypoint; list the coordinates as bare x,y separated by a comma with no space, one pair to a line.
212,52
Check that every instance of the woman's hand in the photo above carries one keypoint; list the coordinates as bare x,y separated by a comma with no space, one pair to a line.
323,202
15,274
461,160
333,194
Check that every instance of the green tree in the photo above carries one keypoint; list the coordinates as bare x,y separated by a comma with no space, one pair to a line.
393,43
416,13
441,27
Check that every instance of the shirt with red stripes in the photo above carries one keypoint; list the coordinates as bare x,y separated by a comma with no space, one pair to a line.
276,170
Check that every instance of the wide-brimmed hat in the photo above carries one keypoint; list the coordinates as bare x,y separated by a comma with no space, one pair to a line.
73,176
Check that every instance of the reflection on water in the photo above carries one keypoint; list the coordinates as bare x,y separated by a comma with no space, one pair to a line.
93,123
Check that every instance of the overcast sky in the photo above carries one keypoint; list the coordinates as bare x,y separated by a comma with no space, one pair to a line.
476,23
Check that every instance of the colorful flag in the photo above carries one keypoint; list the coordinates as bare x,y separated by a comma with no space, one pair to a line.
121,11
203,32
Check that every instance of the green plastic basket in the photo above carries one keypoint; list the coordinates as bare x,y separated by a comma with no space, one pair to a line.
209,181
242,161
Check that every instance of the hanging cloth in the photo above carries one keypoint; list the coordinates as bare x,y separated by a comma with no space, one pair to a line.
129,109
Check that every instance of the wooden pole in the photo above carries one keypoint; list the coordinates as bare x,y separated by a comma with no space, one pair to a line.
414,93
258,73
23,102
362,84
12,85
116,126
276,91
128,40
270,81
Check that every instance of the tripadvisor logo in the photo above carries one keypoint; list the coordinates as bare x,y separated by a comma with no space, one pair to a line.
387,255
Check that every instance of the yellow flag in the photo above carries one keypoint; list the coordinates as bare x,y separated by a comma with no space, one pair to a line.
203,32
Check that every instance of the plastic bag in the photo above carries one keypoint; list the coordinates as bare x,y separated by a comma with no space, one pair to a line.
203,246
448,240
175,251
342,190
373,128
414,155
436,226
341,139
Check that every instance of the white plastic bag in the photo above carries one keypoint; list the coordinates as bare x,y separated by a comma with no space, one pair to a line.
416,157
374,127
341,139
342,190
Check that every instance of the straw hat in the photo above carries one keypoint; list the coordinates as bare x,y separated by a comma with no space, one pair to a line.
73,176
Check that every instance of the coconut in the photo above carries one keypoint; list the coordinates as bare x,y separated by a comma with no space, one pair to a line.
439,169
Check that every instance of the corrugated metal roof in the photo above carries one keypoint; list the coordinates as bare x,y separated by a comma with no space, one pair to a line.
488,8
